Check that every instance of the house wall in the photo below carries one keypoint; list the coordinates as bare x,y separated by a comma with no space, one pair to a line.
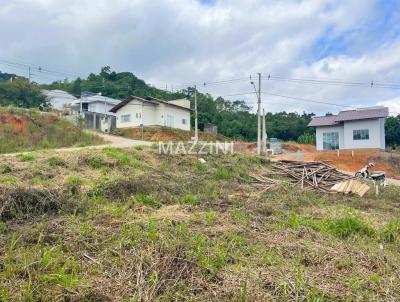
376,139
152,115
98,107
178,115
376,134
132,108
319,135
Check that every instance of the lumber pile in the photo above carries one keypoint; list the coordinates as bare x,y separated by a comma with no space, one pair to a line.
317,174
351,187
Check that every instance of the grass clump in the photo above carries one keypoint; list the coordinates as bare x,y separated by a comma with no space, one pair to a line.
5,168
57,161
147,200
8,179
26,157
189,199
348,225
391,231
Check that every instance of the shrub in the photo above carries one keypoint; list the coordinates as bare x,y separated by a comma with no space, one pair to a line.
307,138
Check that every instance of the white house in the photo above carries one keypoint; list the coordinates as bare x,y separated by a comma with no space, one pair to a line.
58,99
362,128
136,111
94,103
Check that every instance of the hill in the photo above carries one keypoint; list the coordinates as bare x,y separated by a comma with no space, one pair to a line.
134,225
24,130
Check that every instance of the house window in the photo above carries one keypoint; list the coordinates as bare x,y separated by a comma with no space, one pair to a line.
138,115
330,140
125,118
184,121
361,134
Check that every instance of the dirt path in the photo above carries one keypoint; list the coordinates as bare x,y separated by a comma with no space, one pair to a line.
110,141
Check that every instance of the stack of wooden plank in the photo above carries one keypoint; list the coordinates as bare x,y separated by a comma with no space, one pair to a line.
351,187
317,174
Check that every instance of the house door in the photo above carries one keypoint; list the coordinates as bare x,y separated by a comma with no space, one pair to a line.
170,121
331,140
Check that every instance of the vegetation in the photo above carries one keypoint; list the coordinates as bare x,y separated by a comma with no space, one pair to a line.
166,134
25,130
134,225
233,118
392,128
20,92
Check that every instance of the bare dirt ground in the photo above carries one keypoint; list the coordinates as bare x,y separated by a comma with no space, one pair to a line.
345,161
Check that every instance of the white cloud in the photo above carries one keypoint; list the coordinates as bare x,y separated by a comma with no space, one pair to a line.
184,41
393,104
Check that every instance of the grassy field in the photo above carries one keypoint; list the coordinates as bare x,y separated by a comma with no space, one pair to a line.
26,130
133,225
156,133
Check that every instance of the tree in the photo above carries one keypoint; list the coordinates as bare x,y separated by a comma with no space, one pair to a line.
21,93
392,129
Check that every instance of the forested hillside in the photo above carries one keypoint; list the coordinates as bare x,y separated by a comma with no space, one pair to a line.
233,118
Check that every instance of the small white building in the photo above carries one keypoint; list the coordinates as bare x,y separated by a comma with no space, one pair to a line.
59,99
362,128
95,103
136,111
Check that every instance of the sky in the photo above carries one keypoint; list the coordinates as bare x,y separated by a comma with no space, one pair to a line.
175,43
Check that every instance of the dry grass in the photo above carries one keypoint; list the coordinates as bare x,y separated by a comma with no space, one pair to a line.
132,225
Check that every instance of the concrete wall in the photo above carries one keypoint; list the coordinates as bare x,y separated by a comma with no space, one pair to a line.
375,134
376,139
319,135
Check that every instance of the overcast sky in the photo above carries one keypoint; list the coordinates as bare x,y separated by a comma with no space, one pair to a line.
174,42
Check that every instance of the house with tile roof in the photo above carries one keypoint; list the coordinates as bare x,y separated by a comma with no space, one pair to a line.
136,112
362,128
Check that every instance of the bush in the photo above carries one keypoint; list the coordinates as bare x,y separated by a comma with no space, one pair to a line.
307,138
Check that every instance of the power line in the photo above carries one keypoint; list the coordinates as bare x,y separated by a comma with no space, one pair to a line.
344,83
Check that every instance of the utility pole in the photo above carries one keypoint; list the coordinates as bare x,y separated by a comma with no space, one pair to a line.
259,115
264,134
29,74
196,130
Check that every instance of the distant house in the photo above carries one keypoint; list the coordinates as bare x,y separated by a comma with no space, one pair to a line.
136,111
94,103
58,99
352,129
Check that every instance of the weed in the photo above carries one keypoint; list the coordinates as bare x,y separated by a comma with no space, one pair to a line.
210,216
348,225
5,168
189,199
148,200
57,161
26,157
223,173
391,231
74,181
8,179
